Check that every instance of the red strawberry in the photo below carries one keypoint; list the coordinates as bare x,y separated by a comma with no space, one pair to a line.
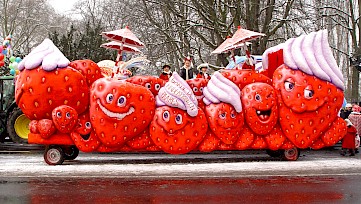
224,122
245,140
197,86
87,68
119,110
150,82
33,126
153,148
287,144
83,135
46,128
209,143
141,141
334,134
175,132
307,105
65,118
259,143
244,77
275,138
260,107
226,147
38,91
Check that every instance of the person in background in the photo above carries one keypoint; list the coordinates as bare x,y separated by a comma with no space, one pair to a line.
348,142
203,68
166,73
186,72
346,112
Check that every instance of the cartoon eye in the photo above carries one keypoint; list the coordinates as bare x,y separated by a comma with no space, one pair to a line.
201,89
308,93
121,101
222,116
257,97
166,116
179,119
195,89
148,85
58,114
67,114
289,86
157,87
109,98
233,115
88,125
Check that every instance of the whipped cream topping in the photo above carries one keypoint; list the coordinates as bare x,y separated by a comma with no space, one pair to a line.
177,93
220,89
46,55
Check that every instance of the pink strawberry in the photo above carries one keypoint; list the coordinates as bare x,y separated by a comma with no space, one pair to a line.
260,106
197,86
33,126
87,68
119,110
38,92
209,143
224,121
307,105
150,82
65,118
175,132
46,128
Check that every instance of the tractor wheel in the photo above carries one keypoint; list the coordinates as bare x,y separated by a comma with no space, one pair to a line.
18,126
2,131
71,152
54,155
291,154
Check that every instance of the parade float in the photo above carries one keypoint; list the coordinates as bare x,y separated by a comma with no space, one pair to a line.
293,105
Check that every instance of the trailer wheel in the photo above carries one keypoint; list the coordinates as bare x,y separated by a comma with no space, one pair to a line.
18,126
291,154
274,153
71,152
54,155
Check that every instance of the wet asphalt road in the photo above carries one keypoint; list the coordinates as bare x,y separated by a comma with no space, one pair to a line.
241,177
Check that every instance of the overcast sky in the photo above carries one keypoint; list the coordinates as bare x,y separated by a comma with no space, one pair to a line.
62,6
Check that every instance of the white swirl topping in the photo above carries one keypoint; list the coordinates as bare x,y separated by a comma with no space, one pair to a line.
177,93
220,89
313,55
46,55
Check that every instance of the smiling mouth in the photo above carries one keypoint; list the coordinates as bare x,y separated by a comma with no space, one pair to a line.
118,116
263,115
199,97
85,137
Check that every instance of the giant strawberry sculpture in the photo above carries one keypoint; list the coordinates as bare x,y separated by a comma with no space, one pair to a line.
46,82
197,85
178,125
119,110
310,87
150,82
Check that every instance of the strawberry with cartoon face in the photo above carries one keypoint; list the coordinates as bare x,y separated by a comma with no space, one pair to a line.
119,110
150,82
64,118
244,77
175,132
225,122
197,85
261,111
310,92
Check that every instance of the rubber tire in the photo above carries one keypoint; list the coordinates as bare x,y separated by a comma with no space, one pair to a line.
3,133
71,152
10,126
291,154
54,155
275,153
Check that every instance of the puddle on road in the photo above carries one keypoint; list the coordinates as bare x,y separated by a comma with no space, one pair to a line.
223,190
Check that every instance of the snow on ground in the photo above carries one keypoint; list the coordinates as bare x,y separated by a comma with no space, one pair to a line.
244,164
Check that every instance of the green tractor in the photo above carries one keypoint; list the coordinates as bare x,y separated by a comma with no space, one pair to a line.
14,125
